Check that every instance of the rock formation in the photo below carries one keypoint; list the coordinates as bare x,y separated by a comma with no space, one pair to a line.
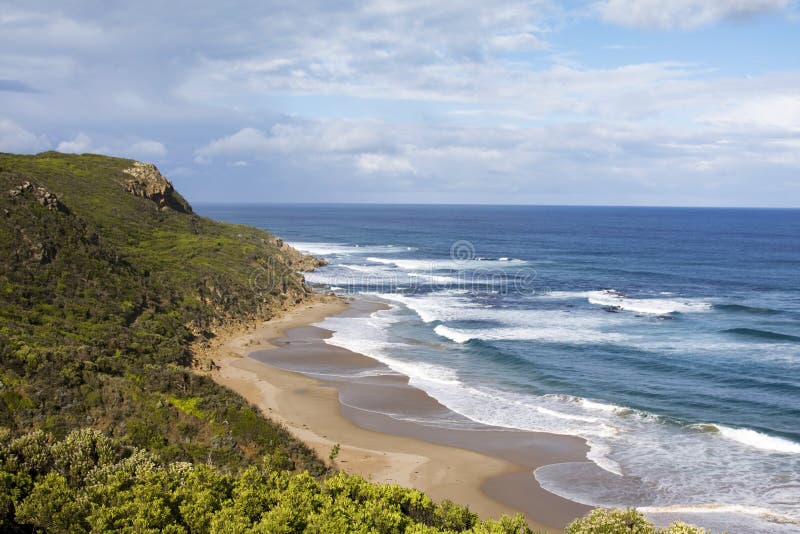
149,183
300,261
41,194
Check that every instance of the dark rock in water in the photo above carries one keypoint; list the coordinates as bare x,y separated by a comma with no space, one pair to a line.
612,309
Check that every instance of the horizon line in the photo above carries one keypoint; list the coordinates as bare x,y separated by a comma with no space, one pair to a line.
480,204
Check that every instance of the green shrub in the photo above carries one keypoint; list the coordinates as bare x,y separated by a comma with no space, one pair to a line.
630,521
135,491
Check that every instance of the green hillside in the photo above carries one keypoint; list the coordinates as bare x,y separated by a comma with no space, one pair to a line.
101,294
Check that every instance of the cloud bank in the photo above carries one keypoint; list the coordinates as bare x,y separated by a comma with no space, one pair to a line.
412,101
686,14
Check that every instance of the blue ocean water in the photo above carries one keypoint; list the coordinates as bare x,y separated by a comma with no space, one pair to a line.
668,338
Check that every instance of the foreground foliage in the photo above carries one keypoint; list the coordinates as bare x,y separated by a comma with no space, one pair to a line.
600,521
89,483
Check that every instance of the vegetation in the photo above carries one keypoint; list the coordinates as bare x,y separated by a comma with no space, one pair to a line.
89,483
334,453
102,294
600,521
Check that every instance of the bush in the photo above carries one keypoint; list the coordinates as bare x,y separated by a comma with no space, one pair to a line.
630,521
95,485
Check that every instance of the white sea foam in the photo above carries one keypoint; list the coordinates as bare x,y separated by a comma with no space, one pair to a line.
453,334
439,306
368,336
715,508
362,268
752,438
374,272
566,295
664,465
720,516
427,265
553,326
601,406
456,305
355,275
548,333
330,249
650,306
436,279
614,299
599,453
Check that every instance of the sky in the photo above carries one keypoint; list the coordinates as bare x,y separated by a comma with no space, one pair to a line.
615,102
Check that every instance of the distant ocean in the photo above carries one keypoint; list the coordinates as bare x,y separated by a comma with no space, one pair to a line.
668,338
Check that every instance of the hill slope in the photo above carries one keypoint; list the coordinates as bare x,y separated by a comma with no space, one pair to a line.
107,277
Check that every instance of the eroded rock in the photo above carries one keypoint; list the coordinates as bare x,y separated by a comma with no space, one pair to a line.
42,195
148,182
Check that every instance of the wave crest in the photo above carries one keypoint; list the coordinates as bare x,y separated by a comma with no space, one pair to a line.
616,300
752,438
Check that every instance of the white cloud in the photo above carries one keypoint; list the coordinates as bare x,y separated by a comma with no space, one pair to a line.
380,49
14,138
335,136
682,13
382,163
51,29
776,112
518,41
146,149
80,145
323,137
427,92
246,141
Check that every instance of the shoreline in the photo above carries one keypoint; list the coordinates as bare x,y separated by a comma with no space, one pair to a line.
491,472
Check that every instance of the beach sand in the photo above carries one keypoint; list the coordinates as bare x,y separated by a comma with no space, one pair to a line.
486,468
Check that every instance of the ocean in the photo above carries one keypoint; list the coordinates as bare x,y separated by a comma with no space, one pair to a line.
668,338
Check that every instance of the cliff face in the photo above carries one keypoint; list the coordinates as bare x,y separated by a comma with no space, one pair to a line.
148,182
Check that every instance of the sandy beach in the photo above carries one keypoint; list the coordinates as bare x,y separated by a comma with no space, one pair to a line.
488,469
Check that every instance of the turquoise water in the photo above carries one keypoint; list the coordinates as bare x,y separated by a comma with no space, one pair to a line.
668,338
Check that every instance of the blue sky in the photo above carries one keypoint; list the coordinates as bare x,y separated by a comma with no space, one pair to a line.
634,102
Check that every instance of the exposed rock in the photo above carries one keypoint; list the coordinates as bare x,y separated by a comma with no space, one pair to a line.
149,183
299,261
42,196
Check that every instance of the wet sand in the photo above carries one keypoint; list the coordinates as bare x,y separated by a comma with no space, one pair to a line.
327,395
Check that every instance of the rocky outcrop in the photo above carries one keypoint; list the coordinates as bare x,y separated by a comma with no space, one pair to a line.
41,194
148,182
37,246
299,261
